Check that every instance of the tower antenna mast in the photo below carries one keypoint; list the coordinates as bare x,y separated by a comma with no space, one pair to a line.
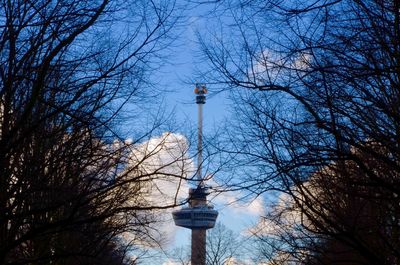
200,92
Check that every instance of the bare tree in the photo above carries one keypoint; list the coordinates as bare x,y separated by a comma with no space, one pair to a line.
223,247
70,190
321,86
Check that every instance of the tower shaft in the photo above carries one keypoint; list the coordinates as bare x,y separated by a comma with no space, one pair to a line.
198,247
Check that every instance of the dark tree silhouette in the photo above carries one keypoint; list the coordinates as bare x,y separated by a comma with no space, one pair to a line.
316,85
70,189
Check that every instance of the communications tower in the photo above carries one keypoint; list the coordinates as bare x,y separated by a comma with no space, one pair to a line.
200,215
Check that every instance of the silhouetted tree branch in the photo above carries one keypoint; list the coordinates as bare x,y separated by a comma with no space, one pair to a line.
316,88
71,190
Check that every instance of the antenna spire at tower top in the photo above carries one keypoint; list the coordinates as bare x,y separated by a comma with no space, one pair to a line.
200,90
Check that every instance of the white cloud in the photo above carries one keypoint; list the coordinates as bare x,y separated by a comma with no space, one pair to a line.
274,67
289,217
165,161
159,166
170,263
234,202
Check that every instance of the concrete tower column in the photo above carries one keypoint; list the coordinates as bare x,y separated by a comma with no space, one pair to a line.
198,198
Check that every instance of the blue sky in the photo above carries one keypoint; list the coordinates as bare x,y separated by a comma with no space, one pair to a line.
177,76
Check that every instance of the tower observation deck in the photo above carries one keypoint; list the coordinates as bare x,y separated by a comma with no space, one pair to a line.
200,215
